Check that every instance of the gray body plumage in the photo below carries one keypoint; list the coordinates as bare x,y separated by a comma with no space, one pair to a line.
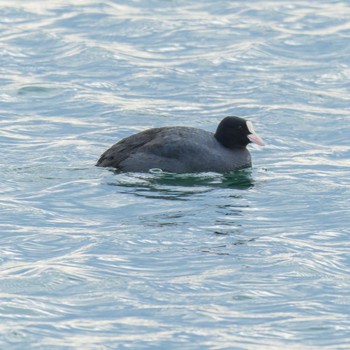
174,149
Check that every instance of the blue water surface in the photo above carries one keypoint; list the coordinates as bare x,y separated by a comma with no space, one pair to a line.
92,259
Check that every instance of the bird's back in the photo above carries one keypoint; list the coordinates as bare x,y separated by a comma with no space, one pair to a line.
173,149
125,147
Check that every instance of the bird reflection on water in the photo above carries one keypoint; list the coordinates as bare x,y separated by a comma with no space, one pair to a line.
158,184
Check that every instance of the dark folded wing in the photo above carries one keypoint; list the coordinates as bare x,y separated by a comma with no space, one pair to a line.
124,148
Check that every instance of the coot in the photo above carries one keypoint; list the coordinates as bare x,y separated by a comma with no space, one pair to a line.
181,149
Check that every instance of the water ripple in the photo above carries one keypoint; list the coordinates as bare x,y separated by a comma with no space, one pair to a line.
255,259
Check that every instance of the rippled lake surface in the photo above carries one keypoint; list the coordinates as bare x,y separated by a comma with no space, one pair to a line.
91,259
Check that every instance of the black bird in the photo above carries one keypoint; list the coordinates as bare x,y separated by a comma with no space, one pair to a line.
179,149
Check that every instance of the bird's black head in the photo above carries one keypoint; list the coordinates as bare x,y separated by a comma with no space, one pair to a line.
235,132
